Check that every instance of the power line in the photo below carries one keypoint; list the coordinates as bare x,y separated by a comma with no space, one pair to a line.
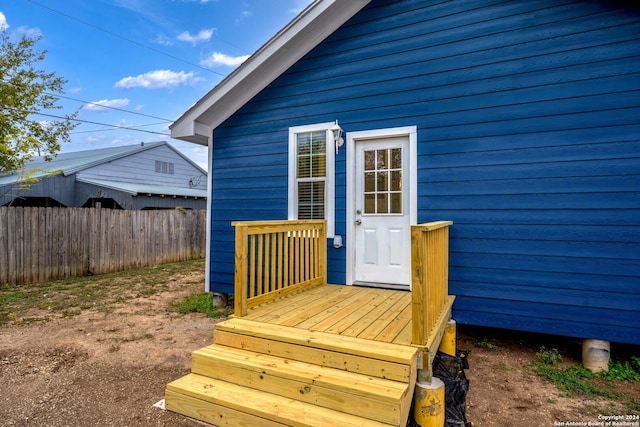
56,95
90,122
109,107
132,127
111,33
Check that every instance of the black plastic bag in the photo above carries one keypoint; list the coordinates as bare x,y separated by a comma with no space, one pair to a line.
451,371
456,385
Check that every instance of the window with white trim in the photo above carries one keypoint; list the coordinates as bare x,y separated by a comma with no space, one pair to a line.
311,174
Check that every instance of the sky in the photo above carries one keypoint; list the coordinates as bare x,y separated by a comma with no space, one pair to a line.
134,66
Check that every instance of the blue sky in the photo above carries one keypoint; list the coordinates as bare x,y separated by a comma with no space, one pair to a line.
152,58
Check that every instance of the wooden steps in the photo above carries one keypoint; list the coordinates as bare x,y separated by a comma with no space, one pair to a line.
258,374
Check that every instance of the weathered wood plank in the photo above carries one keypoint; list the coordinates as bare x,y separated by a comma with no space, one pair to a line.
41,244
4,238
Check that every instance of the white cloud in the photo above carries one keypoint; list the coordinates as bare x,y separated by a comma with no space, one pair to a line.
3,21
202,36
243,15
158,79
32,33
162,40
104,104
217,59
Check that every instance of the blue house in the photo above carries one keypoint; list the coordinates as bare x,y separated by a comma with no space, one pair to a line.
518,121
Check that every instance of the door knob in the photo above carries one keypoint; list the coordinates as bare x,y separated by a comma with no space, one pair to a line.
358,221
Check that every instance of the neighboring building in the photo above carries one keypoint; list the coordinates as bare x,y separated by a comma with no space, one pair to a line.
144,176
519,121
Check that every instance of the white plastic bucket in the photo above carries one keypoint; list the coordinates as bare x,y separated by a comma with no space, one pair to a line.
595,355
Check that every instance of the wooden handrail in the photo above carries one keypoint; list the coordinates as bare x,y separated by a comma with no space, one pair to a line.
277,258
429,277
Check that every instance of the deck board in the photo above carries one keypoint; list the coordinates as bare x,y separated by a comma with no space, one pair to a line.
376,314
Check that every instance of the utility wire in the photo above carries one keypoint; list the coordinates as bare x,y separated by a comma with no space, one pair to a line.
57,95
109,107
132,127
111,33
91,122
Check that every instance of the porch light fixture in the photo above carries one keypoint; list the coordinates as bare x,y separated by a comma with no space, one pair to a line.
336,130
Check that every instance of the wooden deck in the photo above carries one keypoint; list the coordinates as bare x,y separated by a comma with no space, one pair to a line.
307,353
358,312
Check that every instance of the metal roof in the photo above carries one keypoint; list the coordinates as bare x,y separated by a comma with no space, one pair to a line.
70,163
151,189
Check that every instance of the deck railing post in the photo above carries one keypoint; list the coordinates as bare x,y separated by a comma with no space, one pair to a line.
322,259
429,277
240,274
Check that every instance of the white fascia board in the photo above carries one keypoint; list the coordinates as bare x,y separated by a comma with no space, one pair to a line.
306,31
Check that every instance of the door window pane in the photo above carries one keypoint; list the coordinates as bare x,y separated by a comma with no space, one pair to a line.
396,203
396,181
382,181
369,182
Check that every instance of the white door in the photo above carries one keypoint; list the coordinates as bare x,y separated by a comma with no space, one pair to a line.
382,221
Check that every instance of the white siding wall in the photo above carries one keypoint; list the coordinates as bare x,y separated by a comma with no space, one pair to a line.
141,167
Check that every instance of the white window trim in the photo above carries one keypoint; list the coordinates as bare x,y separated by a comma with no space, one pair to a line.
329,190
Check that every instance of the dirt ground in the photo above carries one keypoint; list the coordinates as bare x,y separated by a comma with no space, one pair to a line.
110,368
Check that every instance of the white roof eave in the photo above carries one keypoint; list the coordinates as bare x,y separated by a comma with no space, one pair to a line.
306,31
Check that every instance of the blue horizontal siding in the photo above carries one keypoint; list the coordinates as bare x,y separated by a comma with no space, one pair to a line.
528,117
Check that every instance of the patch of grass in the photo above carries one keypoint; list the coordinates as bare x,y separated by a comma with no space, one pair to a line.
198,303
575,380
486,343
634,406
625,370
71,296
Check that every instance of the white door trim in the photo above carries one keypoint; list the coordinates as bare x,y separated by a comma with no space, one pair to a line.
351,138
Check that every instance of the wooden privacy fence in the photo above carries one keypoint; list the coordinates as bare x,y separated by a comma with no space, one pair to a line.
42,244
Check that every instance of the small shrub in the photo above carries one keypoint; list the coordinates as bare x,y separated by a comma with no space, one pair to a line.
549,356
626,371
485,343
